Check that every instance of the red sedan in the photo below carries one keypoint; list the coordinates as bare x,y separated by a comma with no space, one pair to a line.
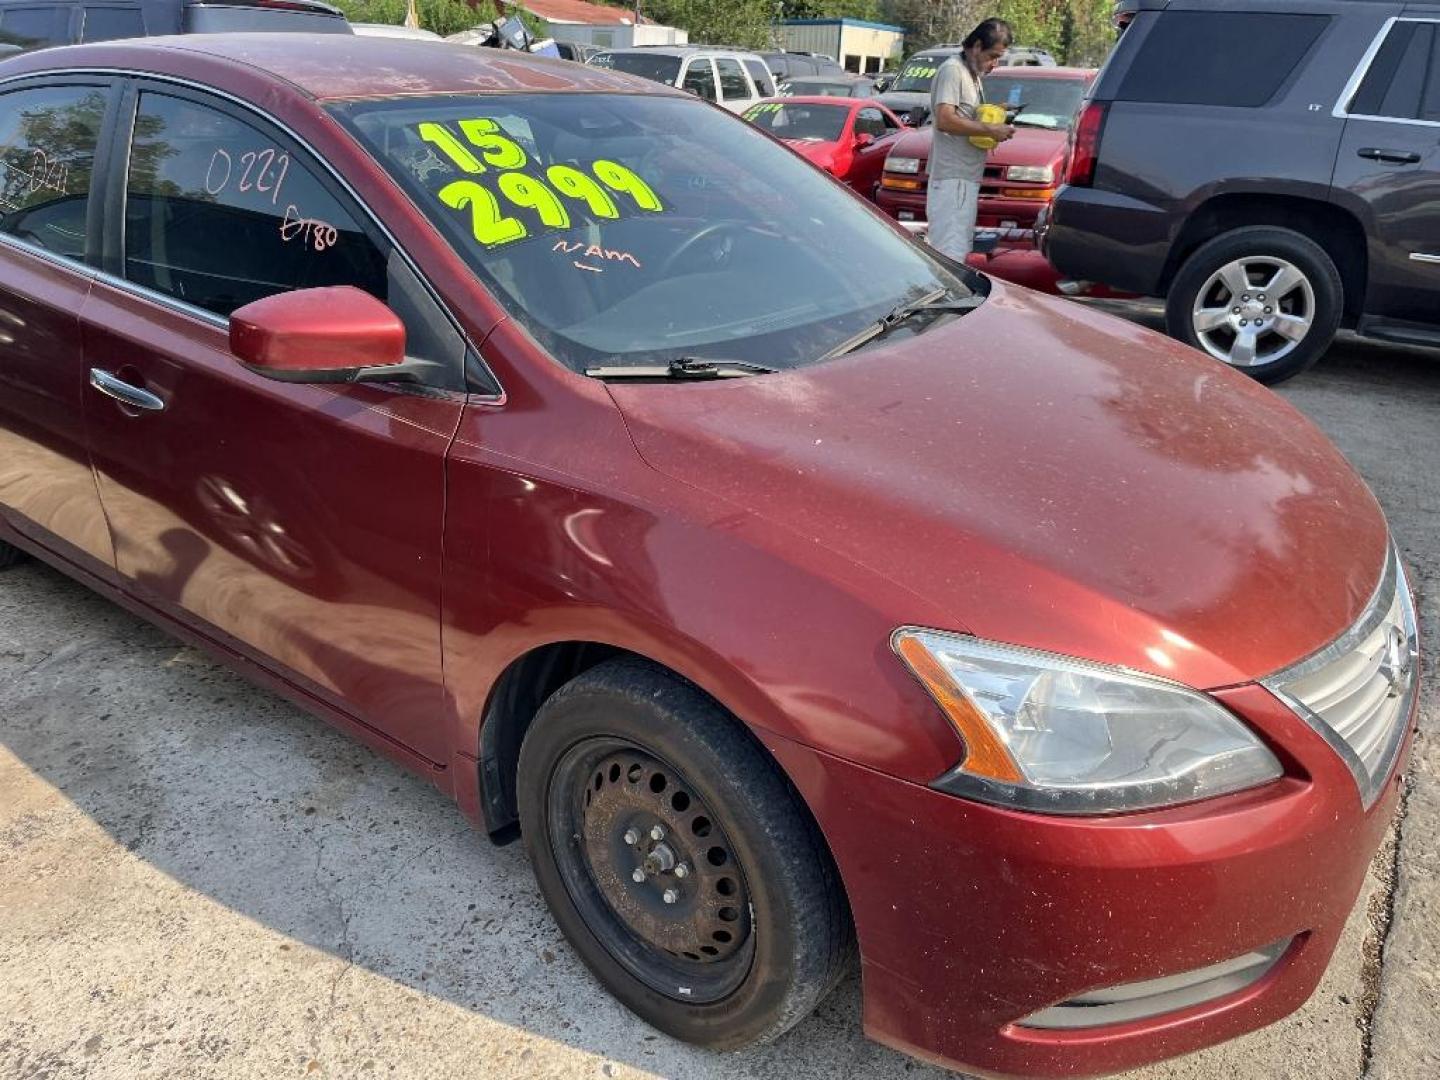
793,591
847,137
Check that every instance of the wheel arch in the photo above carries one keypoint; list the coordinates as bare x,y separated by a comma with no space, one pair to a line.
1335,229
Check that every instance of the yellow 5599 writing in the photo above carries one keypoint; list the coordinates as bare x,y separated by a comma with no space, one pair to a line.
489,149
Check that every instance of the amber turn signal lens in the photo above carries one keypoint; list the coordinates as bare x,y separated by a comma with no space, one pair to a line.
1044,194
899,183
985,754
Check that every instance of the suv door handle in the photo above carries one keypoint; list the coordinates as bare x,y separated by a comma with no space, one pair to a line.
1393,157
123,392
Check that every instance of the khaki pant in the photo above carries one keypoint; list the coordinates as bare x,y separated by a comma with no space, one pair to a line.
951,206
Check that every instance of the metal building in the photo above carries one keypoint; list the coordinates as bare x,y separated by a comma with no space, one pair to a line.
858,45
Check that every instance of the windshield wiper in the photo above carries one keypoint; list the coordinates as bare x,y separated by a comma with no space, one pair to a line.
686,367
902,313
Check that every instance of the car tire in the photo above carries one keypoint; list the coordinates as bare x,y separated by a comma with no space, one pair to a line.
9,555
1266,301
630,770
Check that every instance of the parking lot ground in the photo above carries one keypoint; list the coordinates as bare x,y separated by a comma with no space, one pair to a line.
197,880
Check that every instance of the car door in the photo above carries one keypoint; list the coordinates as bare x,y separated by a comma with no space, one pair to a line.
736,93
868,162
1388,168
50,134
699,78
299,524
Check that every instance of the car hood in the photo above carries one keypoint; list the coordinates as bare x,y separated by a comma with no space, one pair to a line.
1051,477
1030,146
819,153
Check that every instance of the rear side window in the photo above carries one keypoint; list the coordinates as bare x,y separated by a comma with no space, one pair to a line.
47,150
732,80
699,79
34,27
109,23
217,214
1404,80
761,74
204,19
1219,58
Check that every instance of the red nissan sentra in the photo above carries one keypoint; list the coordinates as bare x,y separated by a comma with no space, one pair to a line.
533,424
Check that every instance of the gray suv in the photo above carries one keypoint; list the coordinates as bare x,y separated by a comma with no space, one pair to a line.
1271,168
35,24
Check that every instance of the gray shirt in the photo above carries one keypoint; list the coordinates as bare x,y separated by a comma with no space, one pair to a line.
955,157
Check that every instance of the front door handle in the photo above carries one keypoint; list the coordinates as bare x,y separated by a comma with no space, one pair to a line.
123,392
1391,157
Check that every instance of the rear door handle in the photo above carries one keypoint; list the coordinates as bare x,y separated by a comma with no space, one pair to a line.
1392,157
123,392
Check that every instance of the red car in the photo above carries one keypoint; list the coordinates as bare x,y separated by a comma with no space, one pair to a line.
847,137
792,591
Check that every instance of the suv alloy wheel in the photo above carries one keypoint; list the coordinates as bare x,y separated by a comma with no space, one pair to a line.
1266,301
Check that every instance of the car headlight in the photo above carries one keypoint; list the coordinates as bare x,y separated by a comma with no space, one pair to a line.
1039,174
1058,735
902,164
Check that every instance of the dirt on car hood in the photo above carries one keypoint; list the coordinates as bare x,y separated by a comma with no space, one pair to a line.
1052,477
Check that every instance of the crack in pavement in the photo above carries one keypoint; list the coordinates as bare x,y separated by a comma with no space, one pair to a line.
1381,914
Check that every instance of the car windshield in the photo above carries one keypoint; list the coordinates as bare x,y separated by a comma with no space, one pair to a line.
809,123
918,75
642,229
1049,103
661,69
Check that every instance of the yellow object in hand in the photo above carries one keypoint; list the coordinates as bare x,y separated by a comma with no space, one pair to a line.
988,114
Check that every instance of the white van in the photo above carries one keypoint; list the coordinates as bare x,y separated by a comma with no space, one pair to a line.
735,80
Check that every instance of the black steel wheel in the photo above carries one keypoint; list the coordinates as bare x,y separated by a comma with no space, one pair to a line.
677,859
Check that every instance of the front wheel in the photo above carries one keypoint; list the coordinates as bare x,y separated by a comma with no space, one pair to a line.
1266,301
677,860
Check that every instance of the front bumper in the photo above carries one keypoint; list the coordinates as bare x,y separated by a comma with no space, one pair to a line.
972,918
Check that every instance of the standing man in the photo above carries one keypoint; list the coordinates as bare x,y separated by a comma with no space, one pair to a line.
956,164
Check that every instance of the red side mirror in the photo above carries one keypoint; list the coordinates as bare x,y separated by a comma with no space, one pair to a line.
864,139
335,334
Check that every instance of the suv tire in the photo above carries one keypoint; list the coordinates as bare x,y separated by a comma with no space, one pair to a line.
630,771
1266,301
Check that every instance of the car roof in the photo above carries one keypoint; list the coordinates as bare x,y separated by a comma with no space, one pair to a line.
684,50
331,66
1029,72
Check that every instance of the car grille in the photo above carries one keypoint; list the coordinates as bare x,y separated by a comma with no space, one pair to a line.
1358,692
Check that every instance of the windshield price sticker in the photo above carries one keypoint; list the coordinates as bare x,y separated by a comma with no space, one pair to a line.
761,110
921,72
514,181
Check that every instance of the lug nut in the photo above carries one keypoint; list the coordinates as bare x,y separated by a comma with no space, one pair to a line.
670,896
1262,297
1235,311
1269,311
1246,298
632,837
637,875
1242,322
682,870
657,833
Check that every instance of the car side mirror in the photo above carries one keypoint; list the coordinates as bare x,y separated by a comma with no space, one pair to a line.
334,334
864,139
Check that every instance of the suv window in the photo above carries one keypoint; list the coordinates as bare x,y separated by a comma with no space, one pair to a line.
1404,80
47,151
34,27
764,82
1235,58
732,79
109,23
216,19
699,79
218,215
